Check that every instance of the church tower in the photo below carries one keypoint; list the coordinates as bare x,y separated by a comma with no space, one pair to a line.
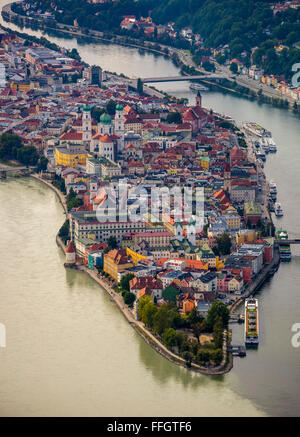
86,124
199,99
178,231
119,126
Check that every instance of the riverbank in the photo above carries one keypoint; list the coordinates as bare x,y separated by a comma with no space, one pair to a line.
260,279
227,361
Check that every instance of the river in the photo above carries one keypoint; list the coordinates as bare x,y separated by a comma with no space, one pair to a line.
69,350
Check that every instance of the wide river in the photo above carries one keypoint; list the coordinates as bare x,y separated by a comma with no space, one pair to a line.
69,350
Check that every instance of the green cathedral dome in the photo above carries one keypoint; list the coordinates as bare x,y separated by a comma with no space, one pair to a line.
105,119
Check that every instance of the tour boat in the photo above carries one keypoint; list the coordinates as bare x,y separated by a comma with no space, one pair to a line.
198,87
273,187
251,322
278,210
272,145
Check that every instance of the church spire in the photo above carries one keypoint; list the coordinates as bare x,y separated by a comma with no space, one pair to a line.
199,99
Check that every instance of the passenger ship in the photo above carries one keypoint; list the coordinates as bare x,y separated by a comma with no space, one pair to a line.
251,322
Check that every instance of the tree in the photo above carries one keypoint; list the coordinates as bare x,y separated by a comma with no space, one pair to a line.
217,309
218,333
129,298
233,67
42,164
9,145
224,244
197,328
174,117
187,356
148,314
64,231
111,107
170,338
28,155
194,317
112,242
163,319
216,356
124,283
203,356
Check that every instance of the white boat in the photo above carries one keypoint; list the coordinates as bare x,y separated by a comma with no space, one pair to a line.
198,87
273,187
264,144
260,154
278,210
255,129
251,322
272,145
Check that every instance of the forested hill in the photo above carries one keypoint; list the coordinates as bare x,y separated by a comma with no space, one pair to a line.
242,24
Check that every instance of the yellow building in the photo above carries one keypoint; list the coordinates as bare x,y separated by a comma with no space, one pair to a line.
205,162
68,158
245,236
115,262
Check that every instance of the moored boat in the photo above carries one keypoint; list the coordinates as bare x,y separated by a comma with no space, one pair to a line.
278,209
251,322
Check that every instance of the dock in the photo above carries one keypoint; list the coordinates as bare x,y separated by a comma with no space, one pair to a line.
237,350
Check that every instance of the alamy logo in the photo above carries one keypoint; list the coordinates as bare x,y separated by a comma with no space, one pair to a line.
2,335
296,77
296,337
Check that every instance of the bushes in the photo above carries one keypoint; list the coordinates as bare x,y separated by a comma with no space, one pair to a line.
207,356
128,297
64,231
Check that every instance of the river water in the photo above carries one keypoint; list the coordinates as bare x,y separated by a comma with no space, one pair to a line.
69,350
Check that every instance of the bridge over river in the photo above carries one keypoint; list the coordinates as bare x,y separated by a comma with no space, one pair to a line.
182,78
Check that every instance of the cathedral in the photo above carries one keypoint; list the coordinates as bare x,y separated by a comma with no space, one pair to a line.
104,139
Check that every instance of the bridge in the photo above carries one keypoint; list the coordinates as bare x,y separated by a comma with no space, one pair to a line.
181,78
7,169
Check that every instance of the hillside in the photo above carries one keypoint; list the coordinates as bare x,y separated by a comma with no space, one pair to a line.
235,27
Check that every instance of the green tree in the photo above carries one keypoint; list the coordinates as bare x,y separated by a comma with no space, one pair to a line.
187,356
233,67
112,242
197,329
124,283
218,333
163,319
42,164
129,298
148,314
216,356
224,244
174,117
111,107
203,357
217,310
170,338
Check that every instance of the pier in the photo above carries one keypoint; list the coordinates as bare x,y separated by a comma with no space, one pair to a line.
237,350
